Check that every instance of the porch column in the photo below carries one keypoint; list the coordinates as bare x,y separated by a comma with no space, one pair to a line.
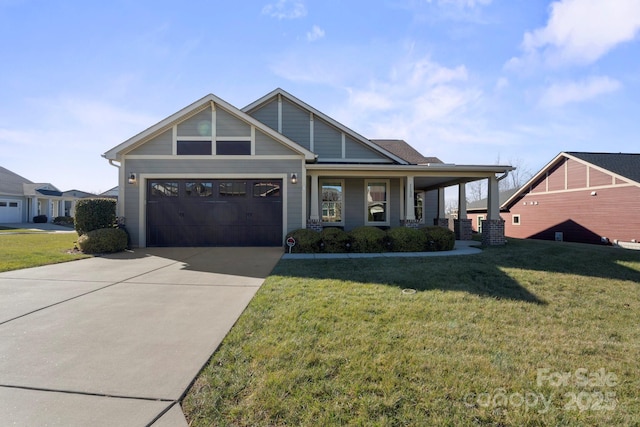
48,209
72,211
34,209
462,225
314,222
441,220
493,226
409,205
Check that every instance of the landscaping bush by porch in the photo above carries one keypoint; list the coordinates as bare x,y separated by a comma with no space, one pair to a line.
405,239
369,239
439,238
93,214
335,240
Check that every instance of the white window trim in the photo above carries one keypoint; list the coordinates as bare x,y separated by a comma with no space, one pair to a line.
513,221
387,221
320,186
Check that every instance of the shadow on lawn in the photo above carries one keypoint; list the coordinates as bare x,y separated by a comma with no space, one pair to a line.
481,274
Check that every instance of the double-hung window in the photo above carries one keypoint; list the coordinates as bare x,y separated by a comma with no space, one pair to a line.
333,202
377,202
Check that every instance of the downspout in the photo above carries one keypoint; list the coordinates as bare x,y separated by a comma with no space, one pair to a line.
506,173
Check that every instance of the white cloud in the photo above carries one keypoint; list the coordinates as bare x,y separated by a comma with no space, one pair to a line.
558,95
316,33
462,3
581,31
285,9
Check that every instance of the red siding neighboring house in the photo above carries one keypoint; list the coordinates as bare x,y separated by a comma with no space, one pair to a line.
579,197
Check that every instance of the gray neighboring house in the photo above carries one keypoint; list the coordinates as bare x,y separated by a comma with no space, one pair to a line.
22,199
215,175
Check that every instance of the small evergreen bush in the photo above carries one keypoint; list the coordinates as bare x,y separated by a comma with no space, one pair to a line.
335,240
103,240
94,214
439,238
368,240
405,239
40,219
63,220
307,241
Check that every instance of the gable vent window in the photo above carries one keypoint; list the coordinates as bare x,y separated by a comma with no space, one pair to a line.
194,148
233,148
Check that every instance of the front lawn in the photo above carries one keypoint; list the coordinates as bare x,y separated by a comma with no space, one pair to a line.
535,333
31,250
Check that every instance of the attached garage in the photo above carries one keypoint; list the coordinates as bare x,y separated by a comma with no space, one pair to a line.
10,211
214,212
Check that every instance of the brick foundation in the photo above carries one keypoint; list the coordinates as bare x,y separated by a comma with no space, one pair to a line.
314,224
410,223
493,232
462,228
441,222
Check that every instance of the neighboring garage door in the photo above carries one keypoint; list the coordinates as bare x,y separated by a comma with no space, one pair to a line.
10,211
214,212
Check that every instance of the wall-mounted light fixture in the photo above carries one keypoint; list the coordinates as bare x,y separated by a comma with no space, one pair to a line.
294,178
594,193
132,178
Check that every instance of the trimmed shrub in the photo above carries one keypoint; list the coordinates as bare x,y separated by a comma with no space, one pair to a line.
40,219
405,239
94,214
63,220
307,241
335,240
368,239
103,240
439,238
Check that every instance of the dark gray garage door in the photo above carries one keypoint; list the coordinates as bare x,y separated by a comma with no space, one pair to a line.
214,212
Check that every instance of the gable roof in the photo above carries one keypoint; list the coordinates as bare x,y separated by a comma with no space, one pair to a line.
405,151
624,165
189,110
281,92
11,183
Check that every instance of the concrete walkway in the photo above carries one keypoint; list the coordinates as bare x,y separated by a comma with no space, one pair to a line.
462,247
117,340
38,227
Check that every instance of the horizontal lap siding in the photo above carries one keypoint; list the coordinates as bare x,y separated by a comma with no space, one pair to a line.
160,145
228,125
597,178
556,177
612,213
265,145
205,167
296,124
197,125
357,150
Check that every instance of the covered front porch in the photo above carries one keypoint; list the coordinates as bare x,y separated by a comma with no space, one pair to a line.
385,196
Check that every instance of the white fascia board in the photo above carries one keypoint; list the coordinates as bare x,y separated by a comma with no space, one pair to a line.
175,118
469,171
533,179
324,117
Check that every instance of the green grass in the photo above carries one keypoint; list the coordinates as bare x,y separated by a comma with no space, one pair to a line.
31,250
17,230
337,342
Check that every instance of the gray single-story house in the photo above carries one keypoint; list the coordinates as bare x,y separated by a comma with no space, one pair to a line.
215,175
22,199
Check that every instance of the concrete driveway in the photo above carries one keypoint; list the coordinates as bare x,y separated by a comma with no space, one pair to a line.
117,340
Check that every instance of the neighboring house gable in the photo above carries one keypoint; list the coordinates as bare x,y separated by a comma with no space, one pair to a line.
330,140
581,197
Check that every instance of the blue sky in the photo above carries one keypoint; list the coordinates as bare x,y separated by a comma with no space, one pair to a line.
469,81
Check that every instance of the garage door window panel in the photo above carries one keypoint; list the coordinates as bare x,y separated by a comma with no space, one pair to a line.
199,189
232,189
164,189
266,189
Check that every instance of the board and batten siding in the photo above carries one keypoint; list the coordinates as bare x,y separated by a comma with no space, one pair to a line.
213,167
296,124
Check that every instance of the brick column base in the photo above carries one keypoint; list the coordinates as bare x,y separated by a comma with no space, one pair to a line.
441,222
410,223
462,228
493,232
314,224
